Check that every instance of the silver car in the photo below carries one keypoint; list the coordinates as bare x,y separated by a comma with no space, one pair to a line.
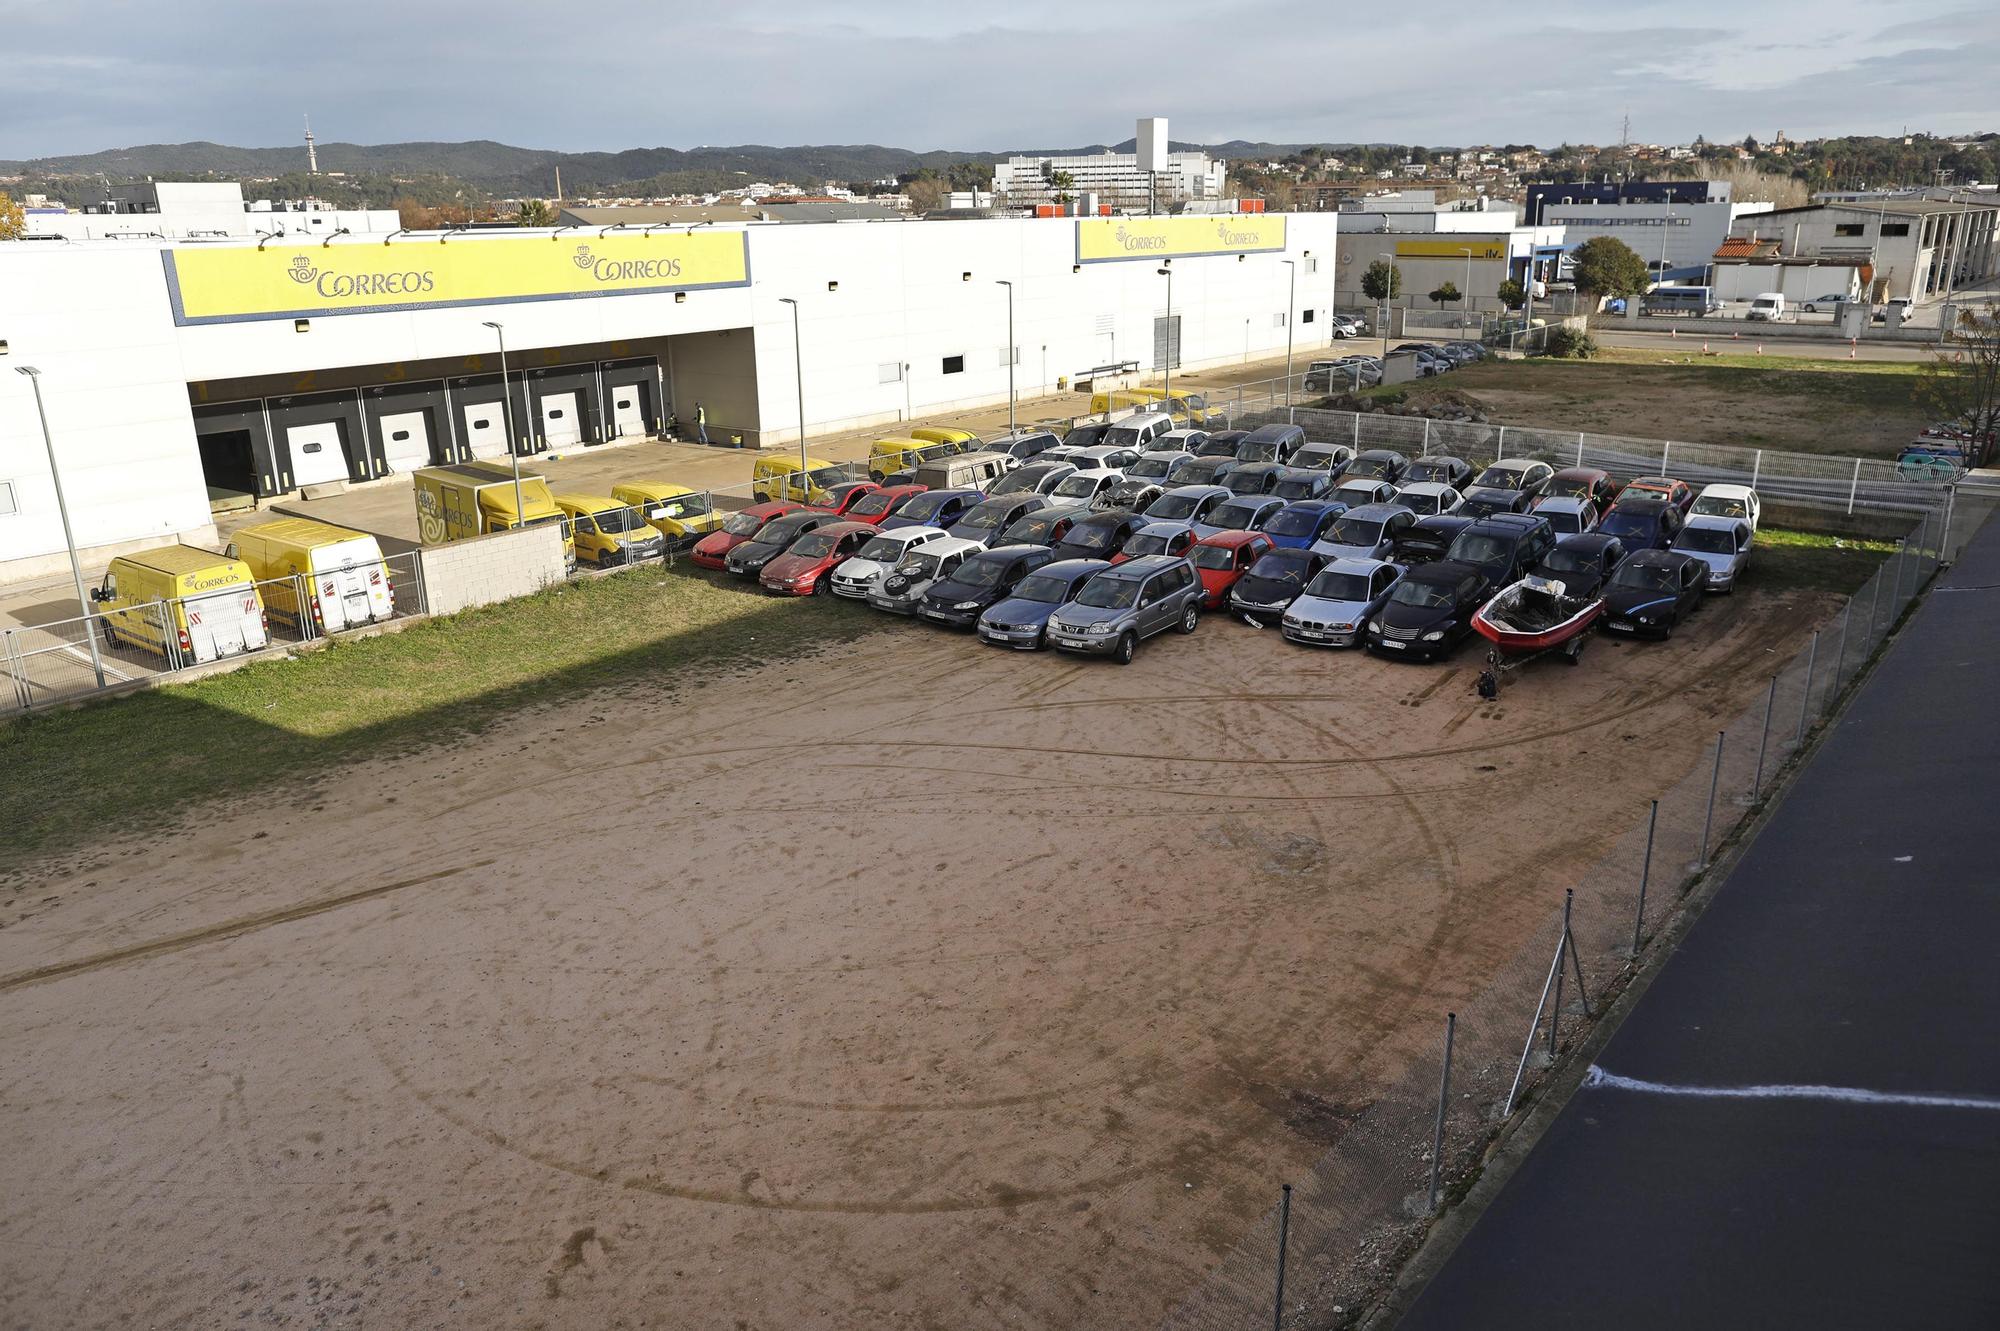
1721,543
1338,601
1126,603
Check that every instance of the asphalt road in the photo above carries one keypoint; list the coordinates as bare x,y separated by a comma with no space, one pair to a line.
1799,1123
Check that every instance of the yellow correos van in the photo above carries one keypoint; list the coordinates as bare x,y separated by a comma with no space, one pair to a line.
961,441
210,604
889,456
609,532
346,581
681,515
778,478
1186,409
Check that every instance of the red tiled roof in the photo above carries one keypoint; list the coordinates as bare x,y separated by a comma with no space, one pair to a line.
1746,247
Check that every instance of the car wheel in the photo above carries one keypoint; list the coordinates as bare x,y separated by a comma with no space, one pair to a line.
1128,647
110,635
1190,617
819,586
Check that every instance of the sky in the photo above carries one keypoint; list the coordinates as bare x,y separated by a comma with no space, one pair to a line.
616,74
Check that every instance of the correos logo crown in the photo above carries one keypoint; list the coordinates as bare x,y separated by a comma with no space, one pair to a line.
301,270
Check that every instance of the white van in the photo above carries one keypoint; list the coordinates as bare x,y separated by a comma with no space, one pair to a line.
1139,429
345,580
1768,307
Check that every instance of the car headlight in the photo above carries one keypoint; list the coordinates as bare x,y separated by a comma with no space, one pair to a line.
1099,628
966,605
1340,628
1435,635
1374,626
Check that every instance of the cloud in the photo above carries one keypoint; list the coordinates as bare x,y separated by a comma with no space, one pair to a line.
1036,73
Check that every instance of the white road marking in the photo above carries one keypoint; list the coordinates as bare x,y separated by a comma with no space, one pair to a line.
1597,1078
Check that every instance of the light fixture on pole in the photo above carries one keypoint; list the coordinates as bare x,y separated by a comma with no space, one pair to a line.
799,374
1166,270
69,538
507,422
1291,298
337,231
1011,357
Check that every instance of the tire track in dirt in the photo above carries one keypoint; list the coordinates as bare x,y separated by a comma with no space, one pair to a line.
229,929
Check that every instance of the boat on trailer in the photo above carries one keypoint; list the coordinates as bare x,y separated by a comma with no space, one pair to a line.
1529,619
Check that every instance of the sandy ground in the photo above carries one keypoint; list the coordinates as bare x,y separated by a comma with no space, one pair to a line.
912,984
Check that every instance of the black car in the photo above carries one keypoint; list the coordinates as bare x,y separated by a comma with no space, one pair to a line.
748,559
1455,472
1504,546
985,520
1221,444
1044,526
1099,536
1642,522
1652,591
1274,582
1524,474
1086,436
1379,464
1483,501
1205,470
1253,478
1271,443
1427,540
1133,495
983,580
1582,564
1429,611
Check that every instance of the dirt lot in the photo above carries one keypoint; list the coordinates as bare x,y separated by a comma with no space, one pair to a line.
1861,409
912,983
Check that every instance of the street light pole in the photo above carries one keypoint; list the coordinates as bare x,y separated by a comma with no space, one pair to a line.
1388,290
1291,301
507,422
799,374
1468,281
69,538
1166,271
1011,357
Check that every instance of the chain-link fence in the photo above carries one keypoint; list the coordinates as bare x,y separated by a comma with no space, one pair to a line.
1366,1204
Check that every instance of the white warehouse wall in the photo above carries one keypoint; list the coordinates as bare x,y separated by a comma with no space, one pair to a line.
96,323
901,300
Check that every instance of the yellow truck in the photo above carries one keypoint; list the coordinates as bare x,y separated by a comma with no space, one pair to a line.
681,515
608,532
779,478
1187,409
468,499
886,457
207,602
345,581
961,441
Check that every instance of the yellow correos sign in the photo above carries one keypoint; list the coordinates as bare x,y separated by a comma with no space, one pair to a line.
244,283
1485,249
1108,239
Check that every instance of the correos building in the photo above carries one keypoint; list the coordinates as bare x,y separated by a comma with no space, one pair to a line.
174,371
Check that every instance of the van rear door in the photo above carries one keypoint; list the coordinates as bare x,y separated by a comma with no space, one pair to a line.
224,623
350,586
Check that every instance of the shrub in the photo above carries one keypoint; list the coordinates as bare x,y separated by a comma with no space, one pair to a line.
1568,343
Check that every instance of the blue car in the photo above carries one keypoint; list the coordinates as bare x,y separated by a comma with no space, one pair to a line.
934,508
1298,524
1642,523
1021,620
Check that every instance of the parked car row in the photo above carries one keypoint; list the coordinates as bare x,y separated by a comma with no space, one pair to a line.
1379,550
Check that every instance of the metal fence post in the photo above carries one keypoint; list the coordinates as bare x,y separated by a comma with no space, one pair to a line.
1853,487
1357,430
1714,780
1579,448
1756,468
1770,699
1444,1099
1427,437
1874,603
1666,447
1562,951
302,605
1944,538
1840,656
170,636
1645,873
1805,699
1284,1236
16,671
1500,448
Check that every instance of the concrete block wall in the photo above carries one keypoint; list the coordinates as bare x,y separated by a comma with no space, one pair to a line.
492,568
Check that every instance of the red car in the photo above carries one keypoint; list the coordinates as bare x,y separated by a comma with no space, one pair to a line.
1584,483
1678,494
804,568
845,495
1221,561
712,549
882,503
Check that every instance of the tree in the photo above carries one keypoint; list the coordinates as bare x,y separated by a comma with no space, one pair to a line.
1608,267
1063,182
1962,386
1512,294
13,222
1382,281
1448,291
926,192
534,212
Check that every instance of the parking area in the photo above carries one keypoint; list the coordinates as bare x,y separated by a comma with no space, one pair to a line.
917,979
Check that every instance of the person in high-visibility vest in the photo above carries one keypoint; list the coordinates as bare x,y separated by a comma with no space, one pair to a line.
701,422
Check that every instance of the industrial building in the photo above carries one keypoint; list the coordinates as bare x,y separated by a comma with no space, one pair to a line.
201,210
1151,178
1919,249
180,371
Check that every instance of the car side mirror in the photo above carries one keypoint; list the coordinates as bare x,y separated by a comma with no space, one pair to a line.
98,594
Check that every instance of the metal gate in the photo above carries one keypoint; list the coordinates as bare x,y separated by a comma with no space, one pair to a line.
1166,342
